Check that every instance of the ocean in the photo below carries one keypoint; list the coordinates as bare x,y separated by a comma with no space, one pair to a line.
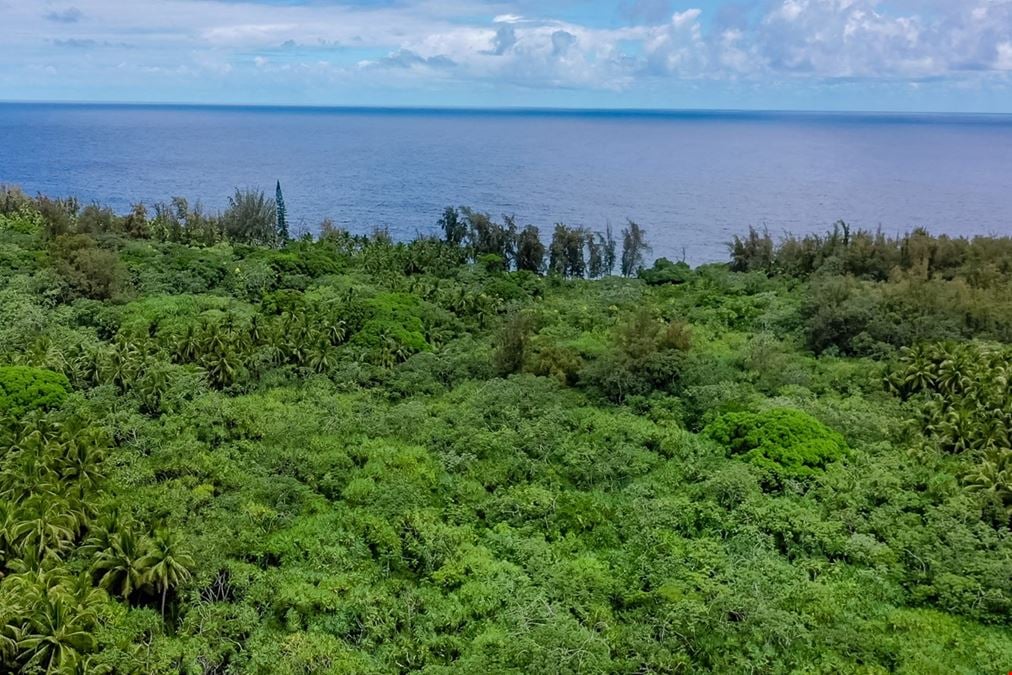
692,179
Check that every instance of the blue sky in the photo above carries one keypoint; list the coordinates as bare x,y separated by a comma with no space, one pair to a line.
933,55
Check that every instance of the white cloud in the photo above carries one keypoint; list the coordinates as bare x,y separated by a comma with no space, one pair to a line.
517,43
685,18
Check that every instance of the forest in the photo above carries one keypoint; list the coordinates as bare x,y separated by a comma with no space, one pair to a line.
228,449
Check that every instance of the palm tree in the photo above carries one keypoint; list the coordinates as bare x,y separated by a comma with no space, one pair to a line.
56,634
168,564
337,331
50,532
994,476
320,357
186,347
150,386
122,568
80,462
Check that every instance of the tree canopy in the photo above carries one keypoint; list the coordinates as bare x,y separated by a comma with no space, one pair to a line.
225,453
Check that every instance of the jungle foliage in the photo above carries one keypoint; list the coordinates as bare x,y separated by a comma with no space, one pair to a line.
223,450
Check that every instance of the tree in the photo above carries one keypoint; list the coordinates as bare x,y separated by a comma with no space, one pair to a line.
136,223
122,568
566,251
530,250
595,255
23,388
634,249
282,215
251,218
788,444
168,564
490,238
454,228
51,623
609,250
90,270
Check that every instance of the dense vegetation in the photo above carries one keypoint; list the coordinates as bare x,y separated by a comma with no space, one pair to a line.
225,451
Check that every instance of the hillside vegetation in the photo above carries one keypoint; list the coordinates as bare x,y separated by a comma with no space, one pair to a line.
226,451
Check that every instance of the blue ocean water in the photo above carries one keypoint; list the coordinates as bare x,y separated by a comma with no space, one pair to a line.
692,179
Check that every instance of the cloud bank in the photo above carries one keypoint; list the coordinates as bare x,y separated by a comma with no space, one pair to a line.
330,50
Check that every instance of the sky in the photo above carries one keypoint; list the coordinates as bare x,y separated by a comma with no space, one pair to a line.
909,55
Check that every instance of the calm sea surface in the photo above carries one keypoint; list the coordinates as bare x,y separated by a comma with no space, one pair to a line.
692,179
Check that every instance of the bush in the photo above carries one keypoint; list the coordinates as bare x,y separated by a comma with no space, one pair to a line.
22,221
666,272
393,329
90,271
788,444
23,389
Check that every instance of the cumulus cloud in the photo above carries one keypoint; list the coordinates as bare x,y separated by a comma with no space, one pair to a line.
561,42
869,39
504,39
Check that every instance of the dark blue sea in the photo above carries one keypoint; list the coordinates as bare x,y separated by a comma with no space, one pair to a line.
692,179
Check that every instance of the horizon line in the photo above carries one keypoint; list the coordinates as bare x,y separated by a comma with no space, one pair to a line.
494,109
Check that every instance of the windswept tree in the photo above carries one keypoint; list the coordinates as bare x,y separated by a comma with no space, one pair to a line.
136,222
595,255
281,226
566,252
530,250
453,226
509,240
251,218
609,250
489,238
634,249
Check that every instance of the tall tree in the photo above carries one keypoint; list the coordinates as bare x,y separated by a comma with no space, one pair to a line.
609,250
509,238
634,249
453,226
566,252
530,250
595,254
282,215
167,565
488,237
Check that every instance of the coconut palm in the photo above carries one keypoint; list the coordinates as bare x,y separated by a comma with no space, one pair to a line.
168,564
994,476
121,568
50,530
320,357
56,634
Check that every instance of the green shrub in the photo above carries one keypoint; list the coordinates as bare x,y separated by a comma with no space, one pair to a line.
90,271
789,444
22,221
23,389
666,272
393,329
